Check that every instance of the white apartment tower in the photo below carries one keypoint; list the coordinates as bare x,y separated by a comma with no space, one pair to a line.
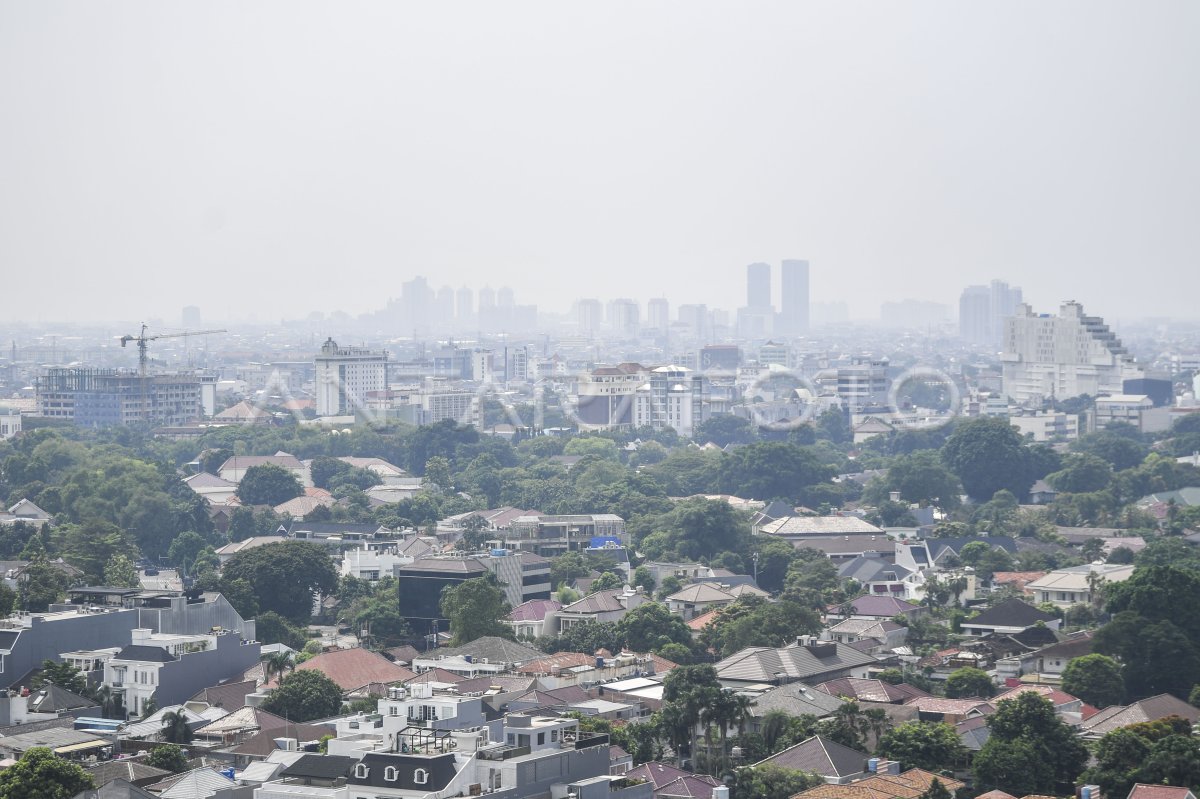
1063,356
344,375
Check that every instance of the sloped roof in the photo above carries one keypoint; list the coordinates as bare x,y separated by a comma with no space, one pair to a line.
302,506
262,743
132,771
206,480
241,411
436,675
878,606
1010,613
657,774
1143,791
598,602
797,699
764,665
230,696
51,698
908,785
1153,708
534,610
281,459
354,668
870,690
820,755
494,648
116,789
700,592
820,525
199,784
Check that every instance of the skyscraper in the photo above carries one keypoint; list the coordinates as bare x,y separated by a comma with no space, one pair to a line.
758,286
464,300
982,311
793,289
658,313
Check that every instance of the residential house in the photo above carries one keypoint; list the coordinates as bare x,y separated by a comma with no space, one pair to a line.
234,469
697,599
1077,585
884,783
877,635
25,511
1154,708
941,553
808,660
798,529
875,608
608,605
1010,616
836,763
878,574
868,690
356,670
532,619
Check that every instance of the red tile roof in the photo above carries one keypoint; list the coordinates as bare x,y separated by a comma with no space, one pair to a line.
354,668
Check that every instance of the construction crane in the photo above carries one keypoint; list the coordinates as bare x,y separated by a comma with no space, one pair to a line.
143,341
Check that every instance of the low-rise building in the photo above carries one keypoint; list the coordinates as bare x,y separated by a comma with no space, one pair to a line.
1076,585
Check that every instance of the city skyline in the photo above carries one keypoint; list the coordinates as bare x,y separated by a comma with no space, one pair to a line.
261,184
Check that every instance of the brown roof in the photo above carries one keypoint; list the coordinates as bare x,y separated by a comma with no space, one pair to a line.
230,696
354,668
908,785
262,743
436,675
1143,791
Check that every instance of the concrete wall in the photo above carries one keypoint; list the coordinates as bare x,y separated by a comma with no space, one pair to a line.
46,639
197,618
180,680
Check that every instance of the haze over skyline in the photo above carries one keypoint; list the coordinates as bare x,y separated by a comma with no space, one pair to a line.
277,158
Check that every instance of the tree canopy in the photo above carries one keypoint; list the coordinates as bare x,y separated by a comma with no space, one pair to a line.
268,484
474,609
988,455
304,696
41,774
283,577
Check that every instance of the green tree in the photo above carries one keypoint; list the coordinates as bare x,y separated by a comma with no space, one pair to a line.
936,791
62,674
592,445
1094,678
769,781
175,727
922,477
988,455
41,584
644,578
185,550
168,757
268,484
693,529
474,609
723,430
771,470
567,568
284,577
650,626
688,691
325,469
1030,750
120,573
437,473
1081,473
971,682
933,746
40,774
304,696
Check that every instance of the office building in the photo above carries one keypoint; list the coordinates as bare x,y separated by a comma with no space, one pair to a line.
1059,357
794,301
110,397
758,285
588,315
605,396
344,375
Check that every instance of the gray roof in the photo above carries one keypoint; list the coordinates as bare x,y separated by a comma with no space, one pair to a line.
790,663
116,789
796,699
868,569
495,649
820,755
1010,613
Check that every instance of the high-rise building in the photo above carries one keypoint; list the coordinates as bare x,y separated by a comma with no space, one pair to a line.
505,298
444,314
487,298
982,311
588,315
1063,356
416,303
975,315
674,398
623,316
464,304
191,318
344,375
658,313
794,302
605,396
696,320
758,286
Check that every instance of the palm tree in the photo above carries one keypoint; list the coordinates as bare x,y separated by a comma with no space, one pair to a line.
774,724
175,727
277,663
737,712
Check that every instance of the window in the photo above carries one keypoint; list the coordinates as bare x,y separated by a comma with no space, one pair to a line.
361,771
390,774
541,738
393,710
420,776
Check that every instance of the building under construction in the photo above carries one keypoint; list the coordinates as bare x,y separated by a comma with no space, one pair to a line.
110,397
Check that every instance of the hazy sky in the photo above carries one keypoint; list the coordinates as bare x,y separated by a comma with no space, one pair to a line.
273,158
